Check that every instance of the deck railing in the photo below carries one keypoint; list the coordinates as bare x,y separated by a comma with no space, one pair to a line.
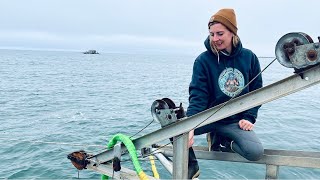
273,159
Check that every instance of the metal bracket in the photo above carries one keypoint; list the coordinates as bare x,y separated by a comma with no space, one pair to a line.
305,55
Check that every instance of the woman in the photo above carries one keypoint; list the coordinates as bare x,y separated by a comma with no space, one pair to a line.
219,74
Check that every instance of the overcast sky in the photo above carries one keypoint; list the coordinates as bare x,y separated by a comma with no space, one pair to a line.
156,26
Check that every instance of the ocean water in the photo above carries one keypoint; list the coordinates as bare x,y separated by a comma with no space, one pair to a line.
54,103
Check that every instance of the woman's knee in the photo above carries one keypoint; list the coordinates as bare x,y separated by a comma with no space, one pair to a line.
255,152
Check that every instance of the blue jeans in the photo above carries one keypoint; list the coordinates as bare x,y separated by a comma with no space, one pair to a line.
246,143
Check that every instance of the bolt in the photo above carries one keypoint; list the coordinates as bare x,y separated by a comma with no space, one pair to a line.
312,55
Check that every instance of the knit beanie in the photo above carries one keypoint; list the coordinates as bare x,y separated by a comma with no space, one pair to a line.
227,17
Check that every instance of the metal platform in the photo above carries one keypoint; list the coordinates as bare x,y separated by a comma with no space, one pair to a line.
301,54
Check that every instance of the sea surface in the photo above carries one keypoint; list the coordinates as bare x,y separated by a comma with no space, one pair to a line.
53,103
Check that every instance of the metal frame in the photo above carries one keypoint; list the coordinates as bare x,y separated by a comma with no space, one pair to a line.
271,158
261,96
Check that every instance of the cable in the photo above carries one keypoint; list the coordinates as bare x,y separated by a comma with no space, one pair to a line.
142,129
265,57
262,57
224,104
141,158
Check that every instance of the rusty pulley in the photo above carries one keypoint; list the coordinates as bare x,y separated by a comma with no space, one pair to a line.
79,159
297,50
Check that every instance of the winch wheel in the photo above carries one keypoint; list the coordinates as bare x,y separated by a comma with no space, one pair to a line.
286,46
157,105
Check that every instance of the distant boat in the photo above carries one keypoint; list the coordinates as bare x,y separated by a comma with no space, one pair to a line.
91,52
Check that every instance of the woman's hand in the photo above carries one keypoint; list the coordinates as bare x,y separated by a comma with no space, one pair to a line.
191,140
245,125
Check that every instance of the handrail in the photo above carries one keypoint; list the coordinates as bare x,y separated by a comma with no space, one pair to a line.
271,158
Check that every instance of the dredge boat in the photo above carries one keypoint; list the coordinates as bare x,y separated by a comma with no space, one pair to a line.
294,50
91,52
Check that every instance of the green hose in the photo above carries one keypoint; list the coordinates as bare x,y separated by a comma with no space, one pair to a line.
132,151
104,177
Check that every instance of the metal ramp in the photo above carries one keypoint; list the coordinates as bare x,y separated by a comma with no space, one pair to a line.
273,159
294,50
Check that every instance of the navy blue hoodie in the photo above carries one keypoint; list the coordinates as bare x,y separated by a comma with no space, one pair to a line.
215,82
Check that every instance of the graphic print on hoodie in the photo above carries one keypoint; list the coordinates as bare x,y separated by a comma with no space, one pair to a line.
231,81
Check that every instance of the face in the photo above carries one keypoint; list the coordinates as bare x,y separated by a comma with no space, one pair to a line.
221,37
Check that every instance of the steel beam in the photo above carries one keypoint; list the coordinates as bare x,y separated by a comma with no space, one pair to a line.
180,156
273,157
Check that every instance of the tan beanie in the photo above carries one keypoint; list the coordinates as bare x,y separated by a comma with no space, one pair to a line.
226,17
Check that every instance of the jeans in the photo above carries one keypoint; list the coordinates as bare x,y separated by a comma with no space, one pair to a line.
245,143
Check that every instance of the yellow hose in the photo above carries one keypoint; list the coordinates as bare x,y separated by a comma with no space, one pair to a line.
153,167
142,176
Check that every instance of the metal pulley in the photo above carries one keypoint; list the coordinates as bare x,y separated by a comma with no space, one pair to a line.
297,50
79,159
165,111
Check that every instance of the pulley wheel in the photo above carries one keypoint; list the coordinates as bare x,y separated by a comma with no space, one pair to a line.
286,46
170,103
157,105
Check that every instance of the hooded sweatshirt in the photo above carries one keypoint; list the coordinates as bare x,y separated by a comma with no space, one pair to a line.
216,80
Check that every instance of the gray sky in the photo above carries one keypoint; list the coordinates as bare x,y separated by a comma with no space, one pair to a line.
148,26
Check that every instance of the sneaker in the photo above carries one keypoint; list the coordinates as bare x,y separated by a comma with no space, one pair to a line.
193,171
226,145
193,167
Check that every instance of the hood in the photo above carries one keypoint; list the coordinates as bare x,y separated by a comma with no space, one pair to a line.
234,52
